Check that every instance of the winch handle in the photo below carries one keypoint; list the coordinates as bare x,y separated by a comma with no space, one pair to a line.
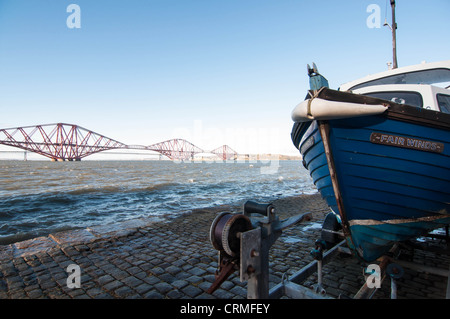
251,207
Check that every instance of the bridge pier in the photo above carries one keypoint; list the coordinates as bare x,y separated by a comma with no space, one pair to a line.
57,159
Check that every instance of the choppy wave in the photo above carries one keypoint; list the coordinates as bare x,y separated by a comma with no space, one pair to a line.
38,198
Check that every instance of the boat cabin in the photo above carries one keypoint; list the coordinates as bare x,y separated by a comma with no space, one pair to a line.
425,85
420,95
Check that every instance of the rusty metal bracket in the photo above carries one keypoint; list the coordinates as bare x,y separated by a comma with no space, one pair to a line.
250,254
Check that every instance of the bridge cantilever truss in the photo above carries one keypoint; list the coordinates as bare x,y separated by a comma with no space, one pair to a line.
179,149
71,142
58,141
225,152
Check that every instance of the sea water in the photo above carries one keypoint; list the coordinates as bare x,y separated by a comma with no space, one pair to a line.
41,197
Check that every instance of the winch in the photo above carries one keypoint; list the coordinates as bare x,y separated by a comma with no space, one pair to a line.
225,231
243,241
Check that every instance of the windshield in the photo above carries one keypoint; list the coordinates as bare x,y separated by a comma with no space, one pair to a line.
432,76
400,97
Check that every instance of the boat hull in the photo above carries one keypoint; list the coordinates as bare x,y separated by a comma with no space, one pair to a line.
392,174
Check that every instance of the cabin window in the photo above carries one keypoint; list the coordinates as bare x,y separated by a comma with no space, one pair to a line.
432,76
444,102
400,97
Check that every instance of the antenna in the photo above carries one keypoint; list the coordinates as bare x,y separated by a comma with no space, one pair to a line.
393,28
394,36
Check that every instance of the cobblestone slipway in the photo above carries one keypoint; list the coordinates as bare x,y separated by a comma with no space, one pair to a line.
173,258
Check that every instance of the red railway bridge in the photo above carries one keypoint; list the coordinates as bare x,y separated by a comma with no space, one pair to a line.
61,142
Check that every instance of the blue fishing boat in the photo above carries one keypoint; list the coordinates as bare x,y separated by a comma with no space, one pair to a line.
378,150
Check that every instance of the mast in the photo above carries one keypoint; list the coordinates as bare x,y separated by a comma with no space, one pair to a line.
394,36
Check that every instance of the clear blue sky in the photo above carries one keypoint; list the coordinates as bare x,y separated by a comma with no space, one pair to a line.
216,72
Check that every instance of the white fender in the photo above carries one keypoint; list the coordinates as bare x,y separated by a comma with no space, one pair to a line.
319,109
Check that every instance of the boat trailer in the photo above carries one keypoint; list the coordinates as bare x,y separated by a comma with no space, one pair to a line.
243,241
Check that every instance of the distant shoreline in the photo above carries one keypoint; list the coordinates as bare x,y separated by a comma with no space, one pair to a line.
252,158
